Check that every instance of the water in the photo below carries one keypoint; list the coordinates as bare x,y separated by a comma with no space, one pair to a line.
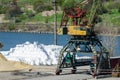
11,39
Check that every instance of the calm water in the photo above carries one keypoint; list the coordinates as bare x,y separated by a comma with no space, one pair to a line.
11,39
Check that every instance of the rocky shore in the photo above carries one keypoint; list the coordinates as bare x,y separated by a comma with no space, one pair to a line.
27,27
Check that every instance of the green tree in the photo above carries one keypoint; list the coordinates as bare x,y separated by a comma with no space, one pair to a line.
13,9
2,9
11,27
68,4
3,6
60,2
40,5
37,5
119,10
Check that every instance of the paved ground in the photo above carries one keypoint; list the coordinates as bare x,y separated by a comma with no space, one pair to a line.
47,73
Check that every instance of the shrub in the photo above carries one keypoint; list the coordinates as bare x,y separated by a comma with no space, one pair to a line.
119,9
68,4
23,17
13,9
2,9
112,5
11,27
41,8
29,13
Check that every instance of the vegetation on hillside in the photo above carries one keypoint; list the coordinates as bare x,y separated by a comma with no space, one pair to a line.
23,11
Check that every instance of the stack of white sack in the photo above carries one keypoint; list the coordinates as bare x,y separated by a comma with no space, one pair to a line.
34,53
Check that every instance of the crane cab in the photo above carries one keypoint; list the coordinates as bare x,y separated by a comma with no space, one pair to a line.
78,30
75,30
78,25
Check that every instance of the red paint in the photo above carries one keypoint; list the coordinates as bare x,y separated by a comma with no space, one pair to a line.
114,61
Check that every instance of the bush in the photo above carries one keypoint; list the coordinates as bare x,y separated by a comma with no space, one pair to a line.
116,21
112,5
68,4
11,27
41,8
46,19
29,13
119,9
21,18
13,9
18,20
2,9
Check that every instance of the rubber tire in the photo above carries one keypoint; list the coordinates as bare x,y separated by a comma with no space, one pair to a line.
58,72
94,75
73,71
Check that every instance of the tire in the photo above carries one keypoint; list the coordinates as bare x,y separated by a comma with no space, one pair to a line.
58,72
73,71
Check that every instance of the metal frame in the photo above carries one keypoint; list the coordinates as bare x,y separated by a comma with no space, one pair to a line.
83,44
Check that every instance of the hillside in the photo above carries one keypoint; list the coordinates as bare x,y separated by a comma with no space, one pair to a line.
42,11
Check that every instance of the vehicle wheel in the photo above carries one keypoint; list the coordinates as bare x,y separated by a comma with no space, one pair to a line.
73,71
94,75
91,71
58,72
